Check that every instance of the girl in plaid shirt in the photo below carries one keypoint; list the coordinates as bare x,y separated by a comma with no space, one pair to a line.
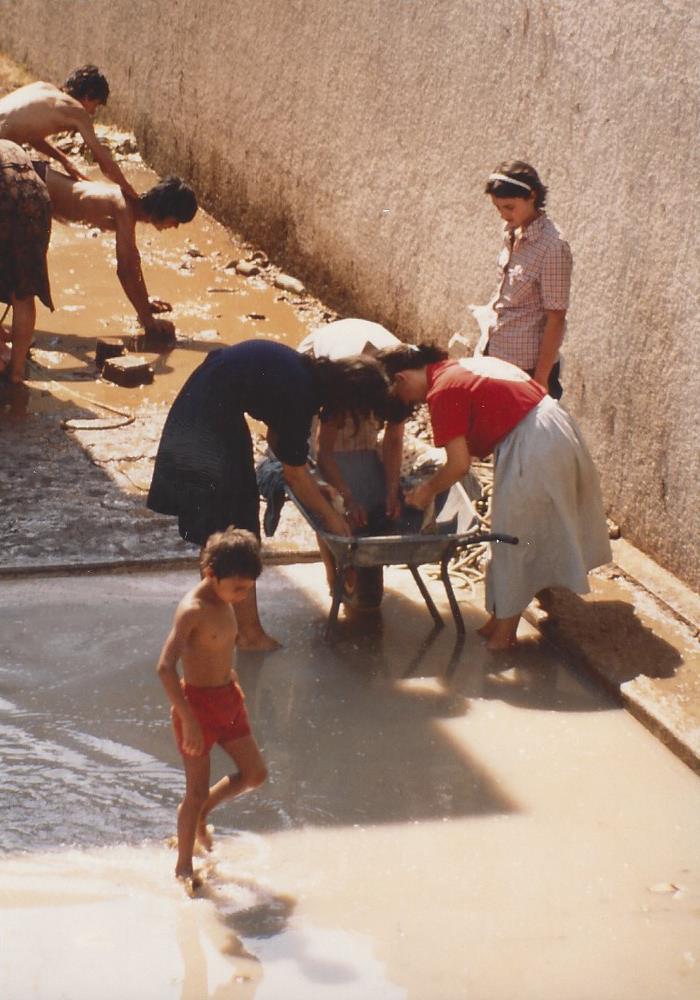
535,276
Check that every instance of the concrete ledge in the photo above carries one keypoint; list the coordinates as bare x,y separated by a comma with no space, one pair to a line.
642,645
272,555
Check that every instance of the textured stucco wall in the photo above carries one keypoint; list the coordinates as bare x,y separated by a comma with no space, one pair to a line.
352,140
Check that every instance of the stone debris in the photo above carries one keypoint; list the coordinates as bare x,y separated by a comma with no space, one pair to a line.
289,284
247,268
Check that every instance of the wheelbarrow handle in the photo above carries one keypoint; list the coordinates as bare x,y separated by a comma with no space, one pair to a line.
489,536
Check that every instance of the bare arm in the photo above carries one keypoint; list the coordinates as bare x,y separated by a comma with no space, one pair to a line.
42,146
456,466
392,453
103,157
307,490
182,629
130,274
551,342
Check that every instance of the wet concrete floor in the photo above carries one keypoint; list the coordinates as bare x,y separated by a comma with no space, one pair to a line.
439,823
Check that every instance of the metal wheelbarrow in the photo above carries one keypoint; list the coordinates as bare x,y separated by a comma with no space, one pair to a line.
453,529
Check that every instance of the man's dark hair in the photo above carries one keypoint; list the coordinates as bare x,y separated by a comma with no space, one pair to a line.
519,171
171,198
87,83
233,552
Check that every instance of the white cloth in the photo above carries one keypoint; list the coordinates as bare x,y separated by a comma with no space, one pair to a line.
546,492
346,337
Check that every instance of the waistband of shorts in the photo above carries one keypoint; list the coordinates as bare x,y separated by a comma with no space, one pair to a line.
202,691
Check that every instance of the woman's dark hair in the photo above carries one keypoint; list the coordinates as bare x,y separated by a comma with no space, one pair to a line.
87,83
353,387
397,359
170,199
233,552
520,171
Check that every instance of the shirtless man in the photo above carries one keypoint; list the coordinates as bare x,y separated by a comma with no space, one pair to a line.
95,203
207,704
31,113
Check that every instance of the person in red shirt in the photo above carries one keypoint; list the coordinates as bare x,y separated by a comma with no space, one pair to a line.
546,489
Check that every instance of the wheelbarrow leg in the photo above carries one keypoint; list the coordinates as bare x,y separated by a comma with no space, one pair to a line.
430,603
447,584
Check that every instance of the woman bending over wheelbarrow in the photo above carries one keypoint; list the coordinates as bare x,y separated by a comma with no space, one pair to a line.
546,489
204,471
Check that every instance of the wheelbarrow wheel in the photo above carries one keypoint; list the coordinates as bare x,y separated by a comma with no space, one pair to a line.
366,591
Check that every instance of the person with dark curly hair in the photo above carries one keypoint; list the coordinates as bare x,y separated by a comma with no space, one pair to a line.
204,471
535,264
37,110
167,205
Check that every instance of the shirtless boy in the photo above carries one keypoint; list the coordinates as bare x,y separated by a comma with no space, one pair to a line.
31,113
207,704
95,203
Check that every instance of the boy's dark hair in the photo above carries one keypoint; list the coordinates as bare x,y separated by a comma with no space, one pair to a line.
398,359
171,198
519,171
87,83
354,387
233,552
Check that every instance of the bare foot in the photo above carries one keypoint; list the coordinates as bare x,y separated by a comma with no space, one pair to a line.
191,883
259,642
204,835
486,630
498,644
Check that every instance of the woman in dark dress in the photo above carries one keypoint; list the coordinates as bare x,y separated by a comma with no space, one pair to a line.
204,471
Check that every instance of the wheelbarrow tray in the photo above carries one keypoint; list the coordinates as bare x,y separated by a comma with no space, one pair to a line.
412,550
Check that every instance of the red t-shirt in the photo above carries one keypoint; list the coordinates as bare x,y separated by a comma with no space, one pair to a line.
480,398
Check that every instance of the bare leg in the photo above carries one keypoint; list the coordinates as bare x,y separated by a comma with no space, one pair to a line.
251,635
503,634
252,772
328,562
196,792
23,322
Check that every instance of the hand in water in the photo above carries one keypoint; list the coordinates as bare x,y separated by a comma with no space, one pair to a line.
159,306
161,328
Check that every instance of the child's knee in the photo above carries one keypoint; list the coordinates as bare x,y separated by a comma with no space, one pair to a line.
256,777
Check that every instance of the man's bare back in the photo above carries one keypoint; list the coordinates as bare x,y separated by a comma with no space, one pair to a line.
37,110
92,203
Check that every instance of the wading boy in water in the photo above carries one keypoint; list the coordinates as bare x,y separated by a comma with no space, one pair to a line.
207,704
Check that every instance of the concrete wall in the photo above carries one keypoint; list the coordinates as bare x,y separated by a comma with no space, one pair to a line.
352,138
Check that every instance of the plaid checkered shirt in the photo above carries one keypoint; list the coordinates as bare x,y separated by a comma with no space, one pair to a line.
535,271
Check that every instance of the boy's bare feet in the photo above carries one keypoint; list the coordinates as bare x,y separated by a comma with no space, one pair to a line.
204,835
259,642
190,882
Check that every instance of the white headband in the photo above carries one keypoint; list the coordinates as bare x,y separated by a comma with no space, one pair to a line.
510,180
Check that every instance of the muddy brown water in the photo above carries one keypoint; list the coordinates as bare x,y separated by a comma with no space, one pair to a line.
212,306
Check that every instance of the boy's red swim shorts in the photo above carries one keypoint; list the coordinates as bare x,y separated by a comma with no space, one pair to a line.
221,713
